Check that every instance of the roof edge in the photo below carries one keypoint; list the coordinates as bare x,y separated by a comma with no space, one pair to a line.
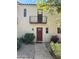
24,4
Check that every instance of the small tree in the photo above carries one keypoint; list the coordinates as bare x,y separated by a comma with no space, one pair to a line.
49,5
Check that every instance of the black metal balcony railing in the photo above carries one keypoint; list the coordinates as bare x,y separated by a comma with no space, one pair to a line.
35,20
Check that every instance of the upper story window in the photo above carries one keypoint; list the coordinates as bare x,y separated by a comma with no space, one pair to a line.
24,12
40,12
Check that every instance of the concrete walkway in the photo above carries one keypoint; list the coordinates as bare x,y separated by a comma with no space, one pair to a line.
26,51
41,52
34,51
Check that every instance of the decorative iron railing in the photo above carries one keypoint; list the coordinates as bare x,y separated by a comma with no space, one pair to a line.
36,20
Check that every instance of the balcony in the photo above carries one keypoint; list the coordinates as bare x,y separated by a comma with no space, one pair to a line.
38,20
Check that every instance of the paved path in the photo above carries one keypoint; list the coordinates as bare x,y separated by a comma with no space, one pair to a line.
41,52
26,51
34,51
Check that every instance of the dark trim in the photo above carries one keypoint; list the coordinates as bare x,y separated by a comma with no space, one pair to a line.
42,5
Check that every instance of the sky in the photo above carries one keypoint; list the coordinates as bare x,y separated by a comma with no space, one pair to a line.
27,1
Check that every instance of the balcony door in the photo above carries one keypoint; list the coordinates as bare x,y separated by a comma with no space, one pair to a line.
40,16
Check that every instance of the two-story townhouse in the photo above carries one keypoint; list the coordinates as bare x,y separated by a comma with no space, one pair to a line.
32,20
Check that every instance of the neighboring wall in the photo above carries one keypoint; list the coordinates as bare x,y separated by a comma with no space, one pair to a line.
24,26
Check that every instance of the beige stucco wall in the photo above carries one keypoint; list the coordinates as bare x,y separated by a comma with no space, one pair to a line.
24,26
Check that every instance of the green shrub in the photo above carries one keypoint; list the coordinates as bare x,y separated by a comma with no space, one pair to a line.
28,38
19,42
56,48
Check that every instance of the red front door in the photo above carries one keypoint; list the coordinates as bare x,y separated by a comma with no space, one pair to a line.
39,34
